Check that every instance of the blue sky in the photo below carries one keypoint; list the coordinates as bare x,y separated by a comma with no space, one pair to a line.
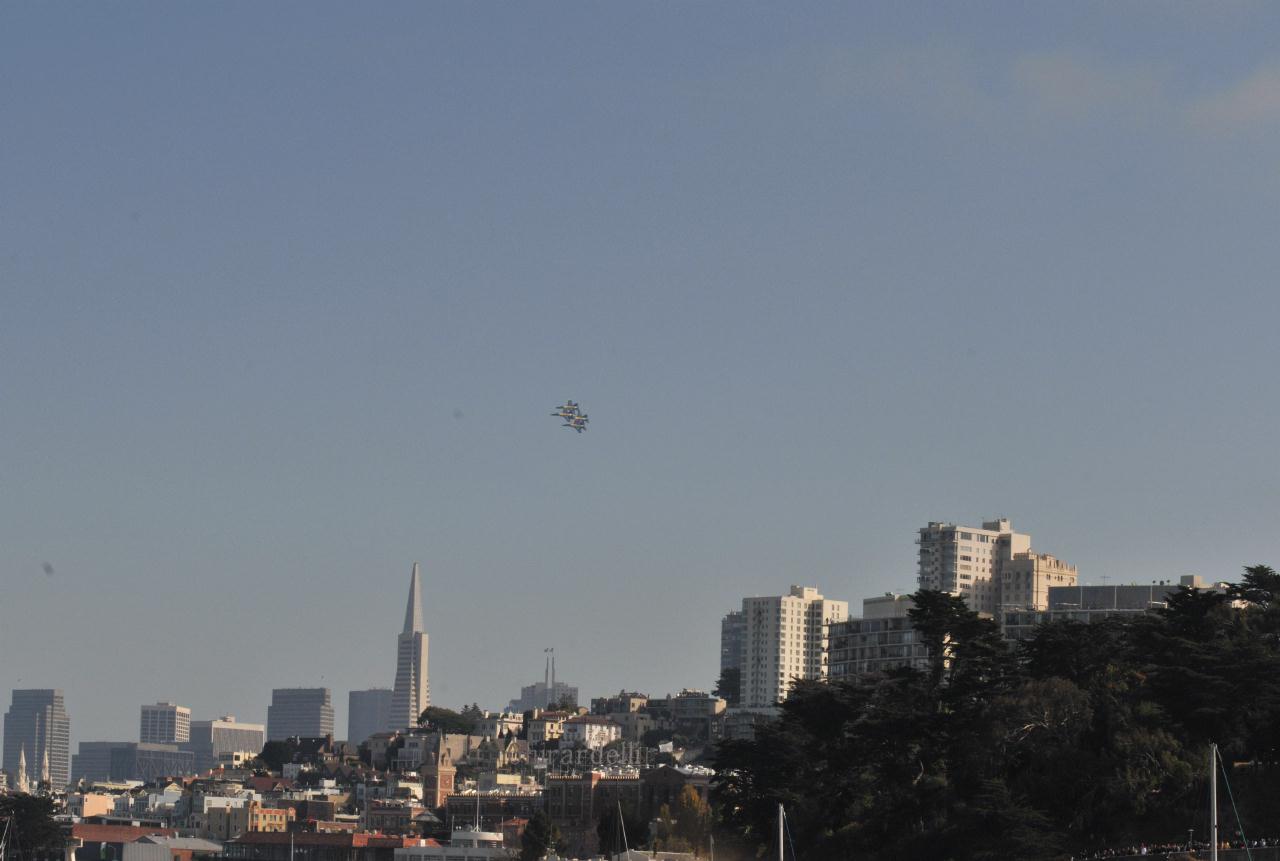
288,291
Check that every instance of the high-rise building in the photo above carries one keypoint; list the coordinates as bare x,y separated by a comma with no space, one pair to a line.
212,740
368,712
299,712
412,694
786,640
38,729
990,567
165,723
733,640
882,640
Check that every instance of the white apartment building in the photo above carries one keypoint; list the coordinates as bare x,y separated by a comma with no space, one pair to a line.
165,723
991,567
785,640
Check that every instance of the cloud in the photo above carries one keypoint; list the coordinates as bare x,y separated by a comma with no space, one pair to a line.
1078,87
1246,105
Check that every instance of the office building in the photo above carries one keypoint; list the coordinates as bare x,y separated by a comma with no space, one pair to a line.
165,723
299,713
991,566
786,640
412,693
368,712
38,729
213,740
150,762
93,760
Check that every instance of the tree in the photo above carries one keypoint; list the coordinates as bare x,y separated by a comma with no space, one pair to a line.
615,831
445,720
34,831
276,753
1260,586
540,836
729,686
668,838
693,819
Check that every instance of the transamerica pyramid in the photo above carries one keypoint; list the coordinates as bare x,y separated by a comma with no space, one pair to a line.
412,693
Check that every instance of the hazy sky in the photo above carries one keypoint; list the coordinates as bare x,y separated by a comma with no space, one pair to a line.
288,291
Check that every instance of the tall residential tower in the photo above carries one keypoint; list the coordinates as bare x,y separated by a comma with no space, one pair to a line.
993,568
785,638
411,694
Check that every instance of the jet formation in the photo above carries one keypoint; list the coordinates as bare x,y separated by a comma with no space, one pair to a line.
572,415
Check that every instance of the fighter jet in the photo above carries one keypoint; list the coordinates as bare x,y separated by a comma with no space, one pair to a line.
572,415
568,411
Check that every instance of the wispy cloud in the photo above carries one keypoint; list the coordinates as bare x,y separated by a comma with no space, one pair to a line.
1247,105
1078,87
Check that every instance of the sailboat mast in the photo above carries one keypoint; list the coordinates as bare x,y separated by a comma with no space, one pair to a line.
1213,802
781,826
622,825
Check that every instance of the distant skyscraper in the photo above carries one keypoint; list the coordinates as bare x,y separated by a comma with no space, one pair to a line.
37,729
412,693
211,740
546,693
165,723
301,712
368,712
93,760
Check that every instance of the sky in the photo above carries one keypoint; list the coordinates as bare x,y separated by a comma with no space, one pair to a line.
288,292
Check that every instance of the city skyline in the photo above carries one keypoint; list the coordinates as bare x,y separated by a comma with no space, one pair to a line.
290,290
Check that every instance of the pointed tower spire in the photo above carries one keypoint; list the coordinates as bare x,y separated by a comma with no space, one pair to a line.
413,610
22,769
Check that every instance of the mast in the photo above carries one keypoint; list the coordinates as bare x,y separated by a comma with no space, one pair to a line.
1213,802
781,826
622,826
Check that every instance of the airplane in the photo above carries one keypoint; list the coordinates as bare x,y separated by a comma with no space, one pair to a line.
568,411
572,415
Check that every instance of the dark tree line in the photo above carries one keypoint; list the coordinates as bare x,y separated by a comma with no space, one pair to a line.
1084,737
